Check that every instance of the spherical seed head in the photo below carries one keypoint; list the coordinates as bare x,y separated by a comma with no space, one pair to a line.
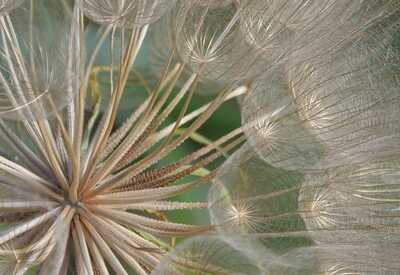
82,193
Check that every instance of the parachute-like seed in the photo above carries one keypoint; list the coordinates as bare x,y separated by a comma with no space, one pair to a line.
352,96
340,260
250,198
275,27
312,190
206,255
252,204
295,117
125,13
208,39
80,193
274,126
34,79
357,199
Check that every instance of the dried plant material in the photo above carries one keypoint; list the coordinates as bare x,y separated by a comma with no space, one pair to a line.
354,203
127,14
37,67
274,126
253,205
341,260
208,39
206,255
82,193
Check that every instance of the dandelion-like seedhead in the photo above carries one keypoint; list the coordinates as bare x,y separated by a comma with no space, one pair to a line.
307,185
81,194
